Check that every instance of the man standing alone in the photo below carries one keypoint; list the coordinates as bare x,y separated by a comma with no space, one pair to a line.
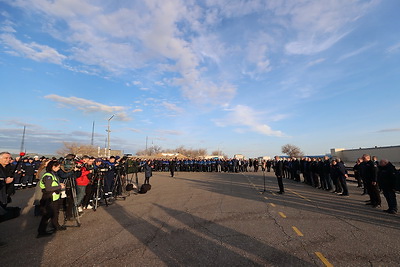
278,168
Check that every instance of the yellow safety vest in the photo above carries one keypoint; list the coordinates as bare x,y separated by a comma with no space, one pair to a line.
56,196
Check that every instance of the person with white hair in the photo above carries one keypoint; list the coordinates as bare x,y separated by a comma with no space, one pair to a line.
5,177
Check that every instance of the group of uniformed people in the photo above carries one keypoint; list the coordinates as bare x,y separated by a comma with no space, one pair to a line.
66,183
82,178
331,174
84,181
208,165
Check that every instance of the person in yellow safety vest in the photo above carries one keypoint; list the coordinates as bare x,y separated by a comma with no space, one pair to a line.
50,202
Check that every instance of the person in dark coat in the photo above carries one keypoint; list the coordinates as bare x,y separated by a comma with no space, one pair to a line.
278,168
147,172
369,171
6,178
172,166
340,172
387,182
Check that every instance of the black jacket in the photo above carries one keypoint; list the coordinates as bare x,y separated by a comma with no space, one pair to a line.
278,168
387,177
369,171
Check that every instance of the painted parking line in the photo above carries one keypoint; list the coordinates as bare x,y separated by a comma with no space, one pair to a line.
297,194
323,259
297,231
282,214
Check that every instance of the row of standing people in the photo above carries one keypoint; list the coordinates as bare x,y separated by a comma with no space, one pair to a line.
331,175
208,165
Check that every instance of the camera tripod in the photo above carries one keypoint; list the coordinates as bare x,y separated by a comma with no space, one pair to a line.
71,201
119,186
99,192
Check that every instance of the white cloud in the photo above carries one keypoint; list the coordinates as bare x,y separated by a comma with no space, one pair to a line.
172,107
37,52
169,132
7,28
318,25
245,116
315,62
86,105
394,48
128,38
137,110
134,130
354,53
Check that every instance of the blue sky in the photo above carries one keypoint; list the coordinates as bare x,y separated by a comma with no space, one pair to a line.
245,77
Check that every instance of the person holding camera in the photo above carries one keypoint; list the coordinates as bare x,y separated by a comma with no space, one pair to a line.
109,176
50,202
82,182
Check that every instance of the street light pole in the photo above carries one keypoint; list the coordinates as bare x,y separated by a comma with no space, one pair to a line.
108,136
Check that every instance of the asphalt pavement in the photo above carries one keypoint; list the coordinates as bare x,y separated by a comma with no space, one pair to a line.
212,219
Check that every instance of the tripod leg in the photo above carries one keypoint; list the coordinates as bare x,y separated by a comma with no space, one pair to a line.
75,207
96,196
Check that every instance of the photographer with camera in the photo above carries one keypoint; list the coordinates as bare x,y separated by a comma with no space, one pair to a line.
90,166
82,181
50,202
68,172
109,177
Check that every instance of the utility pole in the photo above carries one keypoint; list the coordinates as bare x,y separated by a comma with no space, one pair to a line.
146,145
92,134
108,136
23,141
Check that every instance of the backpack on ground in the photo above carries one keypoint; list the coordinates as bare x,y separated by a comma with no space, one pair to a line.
144,188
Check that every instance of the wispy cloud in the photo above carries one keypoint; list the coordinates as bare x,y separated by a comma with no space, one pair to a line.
319,25
34,51
172,107
315,62
355,52
86,105
394,48
169,132
248,119
389,130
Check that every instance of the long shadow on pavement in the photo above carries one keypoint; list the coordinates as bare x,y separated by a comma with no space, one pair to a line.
194,244
321,201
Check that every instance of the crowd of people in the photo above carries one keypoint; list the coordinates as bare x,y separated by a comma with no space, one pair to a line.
69,184
78,183
332,175
320,172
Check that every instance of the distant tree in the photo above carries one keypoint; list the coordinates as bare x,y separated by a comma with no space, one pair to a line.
151,151
292,151
77,149
219,153
191,153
